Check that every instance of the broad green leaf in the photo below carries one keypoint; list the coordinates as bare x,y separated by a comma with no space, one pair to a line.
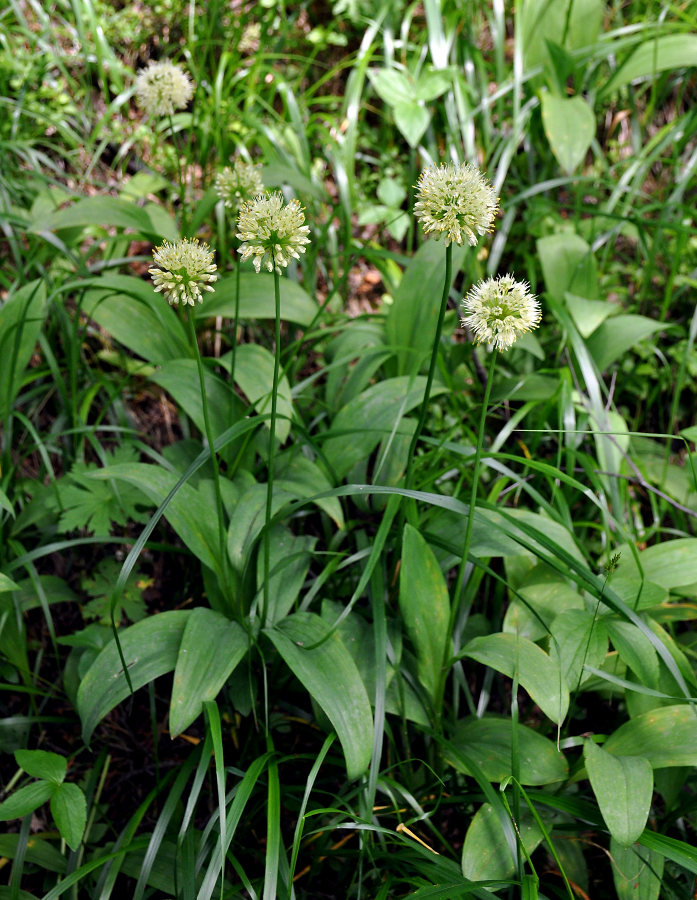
211,647
7,584
638,593
21,318
432,83
425,607
189,512
290,558
546,20
38,851
179,377
69,811
665,52
636,871
130,310
254,375
568,265
537,673
635,649
578,639
680,852
588,314
248,521
391,85
667,736
364,422
486,853
623,787
150,649
330,676
26,800
102,212
302,477
489,741
544,594
412,120
411,322
569,124
618,335
257,300
42,764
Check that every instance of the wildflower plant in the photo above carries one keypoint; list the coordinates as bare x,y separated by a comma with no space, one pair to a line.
183,271
455,202
272,233
499,310
163,88
239,182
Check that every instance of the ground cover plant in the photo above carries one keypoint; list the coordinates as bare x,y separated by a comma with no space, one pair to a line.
347,473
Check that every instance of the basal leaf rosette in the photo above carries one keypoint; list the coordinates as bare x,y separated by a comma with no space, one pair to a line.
183,270
455,202
272,233
499,310
162,88
239,182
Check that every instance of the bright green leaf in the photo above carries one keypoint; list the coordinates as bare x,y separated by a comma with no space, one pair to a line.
618,335
26,800
257,300
667,736
425,607
486,853
150,649
329,675
623,787
636,871
42,764
211,647
69,811
569,124
578,639
665,52
537,673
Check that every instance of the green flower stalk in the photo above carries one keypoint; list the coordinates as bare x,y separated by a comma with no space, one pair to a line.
163,88
182,271
458,204
272,234
455,202
498,310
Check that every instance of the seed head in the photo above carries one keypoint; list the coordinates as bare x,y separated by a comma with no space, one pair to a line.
455,202
499,310
272,233
185,269
238,183
163,88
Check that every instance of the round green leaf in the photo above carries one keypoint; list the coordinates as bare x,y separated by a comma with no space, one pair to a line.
42,764
569,124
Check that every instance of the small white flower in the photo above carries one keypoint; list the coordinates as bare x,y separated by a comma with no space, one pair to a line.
455,202
272,233
499,310
185,269
163,88
238,183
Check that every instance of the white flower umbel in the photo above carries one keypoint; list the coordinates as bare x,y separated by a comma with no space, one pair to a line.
186,268
499,310
456,203
162,88
239,182
270,232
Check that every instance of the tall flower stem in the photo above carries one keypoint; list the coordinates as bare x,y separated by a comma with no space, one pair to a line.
456,599
432,366
180,174
222,537
272,442
235,321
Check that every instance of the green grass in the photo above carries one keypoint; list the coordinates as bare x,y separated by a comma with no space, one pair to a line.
272,624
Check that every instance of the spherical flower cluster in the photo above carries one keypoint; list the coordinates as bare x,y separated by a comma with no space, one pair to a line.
163,88
271,233
455,202
238,183
185,269
499,310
